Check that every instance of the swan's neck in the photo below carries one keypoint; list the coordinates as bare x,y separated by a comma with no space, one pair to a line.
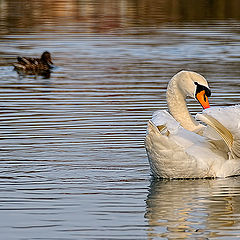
177,106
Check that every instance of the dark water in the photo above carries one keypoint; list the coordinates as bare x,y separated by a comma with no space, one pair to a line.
73,163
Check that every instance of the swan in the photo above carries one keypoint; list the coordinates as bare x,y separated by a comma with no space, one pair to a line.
180,146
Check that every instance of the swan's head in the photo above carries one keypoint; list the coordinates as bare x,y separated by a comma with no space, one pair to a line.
193,85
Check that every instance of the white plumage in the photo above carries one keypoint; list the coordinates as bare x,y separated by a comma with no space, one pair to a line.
178,146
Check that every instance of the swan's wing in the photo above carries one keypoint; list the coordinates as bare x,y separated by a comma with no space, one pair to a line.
162,119
166,125
226,122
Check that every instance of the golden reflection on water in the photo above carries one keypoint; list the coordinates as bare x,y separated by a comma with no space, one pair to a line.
198,208
106,15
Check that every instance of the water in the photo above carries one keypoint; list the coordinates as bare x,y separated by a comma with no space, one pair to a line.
73,163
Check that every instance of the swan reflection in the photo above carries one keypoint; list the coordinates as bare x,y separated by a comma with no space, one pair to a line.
193,209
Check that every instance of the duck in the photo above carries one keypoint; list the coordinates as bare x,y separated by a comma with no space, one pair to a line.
35,66
180,146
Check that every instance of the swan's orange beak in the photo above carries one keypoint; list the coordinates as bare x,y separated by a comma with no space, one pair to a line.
203,99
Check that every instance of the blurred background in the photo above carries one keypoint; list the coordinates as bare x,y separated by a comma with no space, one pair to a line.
72,158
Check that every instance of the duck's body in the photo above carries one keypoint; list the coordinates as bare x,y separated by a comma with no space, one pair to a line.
34,65
180,147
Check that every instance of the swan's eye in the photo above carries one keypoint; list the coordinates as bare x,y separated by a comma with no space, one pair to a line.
208,92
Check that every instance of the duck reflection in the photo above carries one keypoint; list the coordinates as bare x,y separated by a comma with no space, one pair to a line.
43,74
189,209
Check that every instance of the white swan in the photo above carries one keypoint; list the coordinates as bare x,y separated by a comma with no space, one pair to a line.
180,147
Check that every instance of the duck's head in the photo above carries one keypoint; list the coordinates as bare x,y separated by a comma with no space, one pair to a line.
195,86
46,57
